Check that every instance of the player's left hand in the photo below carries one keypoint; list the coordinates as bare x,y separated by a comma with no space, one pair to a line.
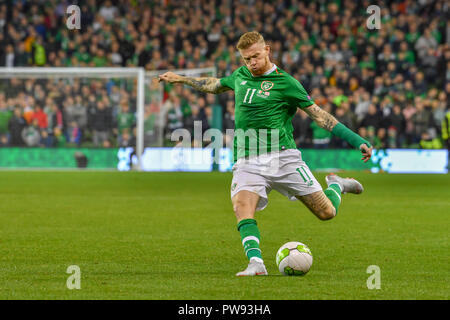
366,152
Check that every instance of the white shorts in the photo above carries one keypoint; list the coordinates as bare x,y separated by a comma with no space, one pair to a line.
284,171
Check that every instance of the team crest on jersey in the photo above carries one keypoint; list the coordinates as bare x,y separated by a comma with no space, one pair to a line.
266,85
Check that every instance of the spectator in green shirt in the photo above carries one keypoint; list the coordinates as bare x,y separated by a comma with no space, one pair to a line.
100,59
5,115
320,137
125,119
59,138
373,138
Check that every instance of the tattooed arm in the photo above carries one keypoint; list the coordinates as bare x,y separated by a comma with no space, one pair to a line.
204,84
328,122
321,117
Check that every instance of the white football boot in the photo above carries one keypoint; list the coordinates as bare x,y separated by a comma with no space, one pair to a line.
348,185
254,268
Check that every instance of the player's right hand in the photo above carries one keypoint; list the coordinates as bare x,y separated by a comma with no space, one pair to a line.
366,152
170,77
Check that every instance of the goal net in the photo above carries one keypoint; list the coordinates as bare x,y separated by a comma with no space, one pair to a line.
124,108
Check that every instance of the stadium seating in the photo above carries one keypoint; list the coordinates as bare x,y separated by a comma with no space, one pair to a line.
391,85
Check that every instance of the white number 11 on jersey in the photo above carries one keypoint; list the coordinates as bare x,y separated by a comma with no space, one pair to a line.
251,96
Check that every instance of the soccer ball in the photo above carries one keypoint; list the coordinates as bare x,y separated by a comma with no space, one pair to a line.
294,259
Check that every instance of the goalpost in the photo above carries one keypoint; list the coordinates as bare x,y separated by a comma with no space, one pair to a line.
88,73
157,96
138,82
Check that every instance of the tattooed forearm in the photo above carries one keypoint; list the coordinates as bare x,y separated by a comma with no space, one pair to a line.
208,85
327,121
321,117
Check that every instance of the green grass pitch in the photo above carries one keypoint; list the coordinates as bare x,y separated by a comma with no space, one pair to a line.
173,236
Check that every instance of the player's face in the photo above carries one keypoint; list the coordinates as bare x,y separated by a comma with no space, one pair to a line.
256,58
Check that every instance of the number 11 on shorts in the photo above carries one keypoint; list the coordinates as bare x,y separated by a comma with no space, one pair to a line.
305,176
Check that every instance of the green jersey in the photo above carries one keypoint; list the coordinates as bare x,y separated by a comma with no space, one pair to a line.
125,121
264,108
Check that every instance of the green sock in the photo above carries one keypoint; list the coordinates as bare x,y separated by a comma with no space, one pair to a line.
250,238
333,192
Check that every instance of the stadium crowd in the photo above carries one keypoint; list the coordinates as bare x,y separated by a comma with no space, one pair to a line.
391,85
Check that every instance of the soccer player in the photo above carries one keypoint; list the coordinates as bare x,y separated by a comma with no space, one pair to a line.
266,99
